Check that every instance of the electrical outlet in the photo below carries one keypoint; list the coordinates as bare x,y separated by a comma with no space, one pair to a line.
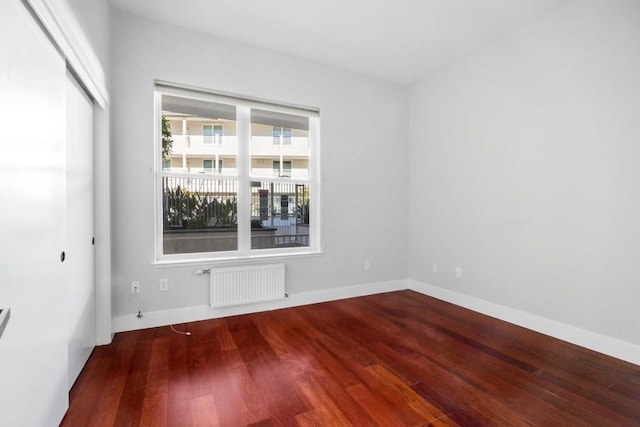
135,287
458,272
367,265
434,267
164,284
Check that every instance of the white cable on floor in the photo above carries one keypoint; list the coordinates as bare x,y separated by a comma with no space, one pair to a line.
179,332
169,322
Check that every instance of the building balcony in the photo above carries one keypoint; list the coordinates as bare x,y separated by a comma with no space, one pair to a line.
201,170
294,173
199,145
291,147
223,145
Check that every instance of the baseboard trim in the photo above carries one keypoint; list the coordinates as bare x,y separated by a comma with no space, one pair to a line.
594,341
153,319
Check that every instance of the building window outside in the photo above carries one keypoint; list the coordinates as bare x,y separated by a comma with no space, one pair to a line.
217,133
244,211
212,134
166,164
207,134
211,165
281,135
284,172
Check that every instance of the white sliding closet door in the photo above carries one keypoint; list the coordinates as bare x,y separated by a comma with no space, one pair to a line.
33,348
79,265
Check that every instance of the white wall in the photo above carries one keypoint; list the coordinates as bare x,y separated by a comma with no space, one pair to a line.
524,170
94,19
364,163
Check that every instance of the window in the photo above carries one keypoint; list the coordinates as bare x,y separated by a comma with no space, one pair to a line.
285,171
212,134
212,165
281,135
258,205
166,164
207,134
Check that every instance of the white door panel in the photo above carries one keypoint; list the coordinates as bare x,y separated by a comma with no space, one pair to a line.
33,348
79,265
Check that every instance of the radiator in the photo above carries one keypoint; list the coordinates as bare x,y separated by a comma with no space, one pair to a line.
247,284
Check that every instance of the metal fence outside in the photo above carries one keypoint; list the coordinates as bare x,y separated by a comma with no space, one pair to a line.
192,203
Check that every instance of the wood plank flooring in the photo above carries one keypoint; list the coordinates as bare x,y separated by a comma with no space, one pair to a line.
394,359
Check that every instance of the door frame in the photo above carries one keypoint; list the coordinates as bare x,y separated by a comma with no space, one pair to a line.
58,21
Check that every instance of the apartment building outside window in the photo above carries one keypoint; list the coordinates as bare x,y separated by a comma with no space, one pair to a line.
265,202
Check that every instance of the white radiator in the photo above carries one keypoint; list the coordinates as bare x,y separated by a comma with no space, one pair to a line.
247,284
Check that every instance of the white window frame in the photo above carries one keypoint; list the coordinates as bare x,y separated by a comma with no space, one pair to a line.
244,177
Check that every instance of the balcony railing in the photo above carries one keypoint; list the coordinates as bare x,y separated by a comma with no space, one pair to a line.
295,173
264,146
227,145
205,145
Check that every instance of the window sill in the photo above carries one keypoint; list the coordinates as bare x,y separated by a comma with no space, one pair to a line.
233,260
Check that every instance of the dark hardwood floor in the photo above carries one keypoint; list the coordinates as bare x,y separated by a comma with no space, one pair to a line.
394,359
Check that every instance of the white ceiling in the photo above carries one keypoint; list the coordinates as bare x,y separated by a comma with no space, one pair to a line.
396,40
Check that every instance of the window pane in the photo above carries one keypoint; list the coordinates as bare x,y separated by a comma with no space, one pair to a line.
282,139
277,133
282,172
201,130
286,136
199,212
207,134
279,215
200,215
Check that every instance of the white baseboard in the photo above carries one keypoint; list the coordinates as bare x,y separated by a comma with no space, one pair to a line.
594,341
152,319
